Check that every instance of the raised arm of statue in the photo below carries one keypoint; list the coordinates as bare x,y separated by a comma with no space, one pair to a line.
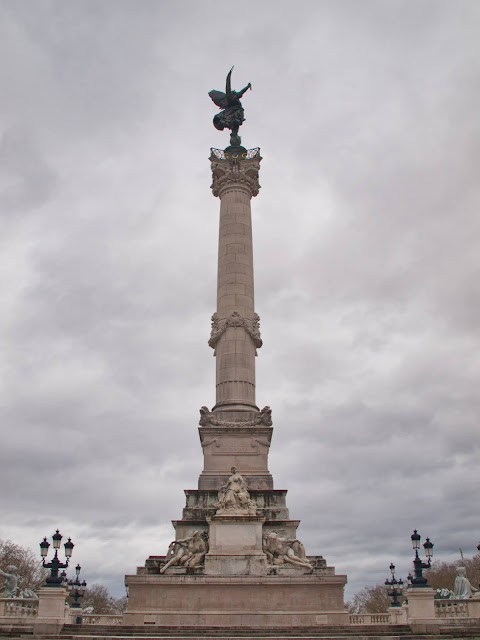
244,90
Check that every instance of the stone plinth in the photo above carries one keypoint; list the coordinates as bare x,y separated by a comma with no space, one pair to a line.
235,601
235,546
51,610
421,610
235,446
421,605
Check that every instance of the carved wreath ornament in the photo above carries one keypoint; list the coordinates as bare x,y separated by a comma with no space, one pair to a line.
263,417
252,327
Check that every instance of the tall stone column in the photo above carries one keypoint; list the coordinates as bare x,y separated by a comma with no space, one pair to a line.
235,333
235,432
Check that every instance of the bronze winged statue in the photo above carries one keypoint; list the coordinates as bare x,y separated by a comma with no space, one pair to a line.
231,116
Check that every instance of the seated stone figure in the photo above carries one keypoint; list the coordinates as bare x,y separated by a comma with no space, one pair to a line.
462,588
188,552
9,589
233,497
283,551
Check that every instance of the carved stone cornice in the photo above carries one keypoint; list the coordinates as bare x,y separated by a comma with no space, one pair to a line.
263,417
232,173
252,327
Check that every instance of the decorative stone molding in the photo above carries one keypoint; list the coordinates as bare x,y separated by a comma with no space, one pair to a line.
252,327
263,417
232,172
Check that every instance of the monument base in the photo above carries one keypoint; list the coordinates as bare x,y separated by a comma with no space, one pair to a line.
235,546
235,601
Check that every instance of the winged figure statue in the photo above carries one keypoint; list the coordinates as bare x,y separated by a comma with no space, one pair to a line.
231,116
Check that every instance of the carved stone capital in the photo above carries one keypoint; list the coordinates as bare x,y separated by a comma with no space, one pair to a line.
263,417
252,327
235,173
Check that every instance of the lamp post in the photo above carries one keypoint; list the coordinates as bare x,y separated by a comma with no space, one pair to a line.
418,580
54,579
77,588
392,585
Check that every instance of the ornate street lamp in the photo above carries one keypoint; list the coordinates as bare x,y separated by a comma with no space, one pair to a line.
418,580
392,585
54,579
77,588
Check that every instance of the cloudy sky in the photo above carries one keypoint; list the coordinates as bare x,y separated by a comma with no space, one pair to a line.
366,235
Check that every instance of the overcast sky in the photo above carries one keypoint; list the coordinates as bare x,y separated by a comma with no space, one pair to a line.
367,269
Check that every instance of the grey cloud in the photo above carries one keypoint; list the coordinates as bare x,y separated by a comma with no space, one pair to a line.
365,239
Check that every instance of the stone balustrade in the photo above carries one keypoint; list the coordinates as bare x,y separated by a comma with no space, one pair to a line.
457,609
370,618
20,608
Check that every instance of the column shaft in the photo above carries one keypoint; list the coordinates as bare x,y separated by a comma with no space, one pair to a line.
235,334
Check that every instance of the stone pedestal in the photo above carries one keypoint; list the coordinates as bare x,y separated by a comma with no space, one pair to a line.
421,610
51,610
421,604
398,614
243,447
236,601
235,546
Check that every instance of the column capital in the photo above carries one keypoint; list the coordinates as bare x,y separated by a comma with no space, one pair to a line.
235,168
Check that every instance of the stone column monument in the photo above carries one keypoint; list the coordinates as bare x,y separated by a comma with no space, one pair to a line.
235,432
236,559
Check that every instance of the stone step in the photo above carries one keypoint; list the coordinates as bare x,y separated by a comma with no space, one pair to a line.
352,631
260,636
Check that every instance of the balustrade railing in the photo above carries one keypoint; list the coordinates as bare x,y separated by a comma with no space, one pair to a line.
370,618
452,609
18,607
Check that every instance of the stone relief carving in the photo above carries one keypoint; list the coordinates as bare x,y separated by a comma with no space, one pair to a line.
263,417
9,589
233,497
219,327
189,552
284,551
231,172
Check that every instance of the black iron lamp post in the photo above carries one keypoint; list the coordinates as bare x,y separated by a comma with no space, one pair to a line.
418,580
394,587
77,588
54,579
